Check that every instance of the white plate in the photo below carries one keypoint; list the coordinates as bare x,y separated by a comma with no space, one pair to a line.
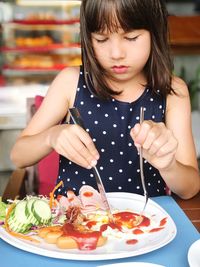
194,254
114,249
132,264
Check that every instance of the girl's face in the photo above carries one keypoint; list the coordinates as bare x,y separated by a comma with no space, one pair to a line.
122,54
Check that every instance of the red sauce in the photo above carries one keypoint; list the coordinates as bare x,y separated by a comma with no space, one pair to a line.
84,240
90,224
129,219
138,231
155,229
87,240
131,241
126,218
145,222
163,221
88,194
112,225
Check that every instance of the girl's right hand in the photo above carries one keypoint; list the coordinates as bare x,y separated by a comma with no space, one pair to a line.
74,143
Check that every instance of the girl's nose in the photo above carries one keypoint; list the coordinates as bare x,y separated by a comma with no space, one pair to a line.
117,50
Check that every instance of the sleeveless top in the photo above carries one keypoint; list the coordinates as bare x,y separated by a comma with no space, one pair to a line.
109,123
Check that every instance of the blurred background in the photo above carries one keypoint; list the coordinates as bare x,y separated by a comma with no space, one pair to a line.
40,37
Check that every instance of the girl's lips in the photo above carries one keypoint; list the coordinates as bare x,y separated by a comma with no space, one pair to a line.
119,69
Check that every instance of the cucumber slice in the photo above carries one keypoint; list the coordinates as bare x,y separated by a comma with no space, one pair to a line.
20,212
32,211
18,221
20,228
29,212
41,211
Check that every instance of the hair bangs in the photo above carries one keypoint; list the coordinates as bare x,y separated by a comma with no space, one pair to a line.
110,15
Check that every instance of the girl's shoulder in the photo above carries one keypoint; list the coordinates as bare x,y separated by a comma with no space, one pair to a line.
66,82
69,74
180,98
179,86
72,70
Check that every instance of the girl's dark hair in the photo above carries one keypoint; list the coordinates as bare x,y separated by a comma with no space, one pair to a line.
98,15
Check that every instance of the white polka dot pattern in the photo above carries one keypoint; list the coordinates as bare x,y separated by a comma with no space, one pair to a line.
109,123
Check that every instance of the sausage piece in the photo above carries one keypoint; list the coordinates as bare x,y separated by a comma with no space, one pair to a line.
66,242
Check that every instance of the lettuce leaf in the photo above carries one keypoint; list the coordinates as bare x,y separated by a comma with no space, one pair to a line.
3,207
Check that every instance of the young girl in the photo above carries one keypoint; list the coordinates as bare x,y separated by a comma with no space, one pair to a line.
126,65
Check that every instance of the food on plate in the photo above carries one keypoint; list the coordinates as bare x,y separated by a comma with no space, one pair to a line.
89,200
3,207
28,212
76,222
71,236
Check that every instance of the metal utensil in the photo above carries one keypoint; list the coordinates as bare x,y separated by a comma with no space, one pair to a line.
76,117
142,167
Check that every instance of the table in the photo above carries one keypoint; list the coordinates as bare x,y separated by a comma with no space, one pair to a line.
191,207
172,255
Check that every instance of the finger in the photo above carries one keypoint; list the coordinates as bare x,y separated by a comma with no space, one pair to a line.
134,132
152,142
74,156
86,140
70,146
85,153
167,148
83,150
157,144
89,144
156,137
143,132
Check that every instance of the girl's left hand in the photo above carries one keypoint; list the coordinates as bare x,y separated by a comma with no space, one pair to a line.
158,143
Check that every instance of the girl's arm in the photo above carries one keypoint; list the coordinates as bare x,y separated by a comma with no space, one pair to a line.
183,175
170,148
44,134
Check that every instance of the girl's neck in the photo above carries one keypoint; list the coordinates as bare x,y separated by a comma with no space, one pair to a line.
130,90
130,95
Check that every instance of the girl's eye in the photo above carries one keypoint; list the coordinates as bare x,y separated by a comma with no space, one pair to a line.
131,38
101,40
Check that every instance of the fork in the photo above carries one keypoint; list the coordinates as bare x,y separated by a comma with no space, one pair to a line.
142,167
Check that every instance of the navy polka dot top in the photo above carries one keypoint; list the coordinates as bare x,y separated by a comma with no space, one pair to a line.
109,122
